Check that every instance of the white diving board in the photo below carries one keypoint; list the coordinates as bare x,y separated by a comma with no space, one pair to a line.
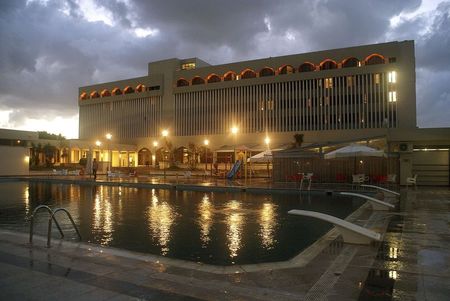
376,204
351,233
380,188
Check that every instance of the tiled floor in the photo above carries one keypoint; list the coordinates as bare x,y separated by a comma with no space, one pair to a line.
412,263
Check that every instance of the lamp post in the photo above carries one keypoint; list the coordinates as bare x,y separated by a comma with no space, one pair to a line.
234,131
206,142
165,133
109,137
267,142
155,145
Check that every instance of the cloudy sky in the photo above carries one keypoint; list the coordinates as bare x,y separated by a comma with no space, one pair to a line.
50,48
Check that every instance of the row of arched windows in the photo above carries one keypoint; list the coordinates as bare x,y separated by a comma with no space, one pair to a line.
115,91
327,64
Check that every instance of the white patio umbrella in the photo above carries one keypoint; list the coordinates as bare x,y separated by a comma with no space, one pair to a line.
354,151
262,157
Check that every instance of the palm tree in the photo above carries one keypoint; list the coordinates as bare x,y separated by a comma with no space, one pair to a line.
298,140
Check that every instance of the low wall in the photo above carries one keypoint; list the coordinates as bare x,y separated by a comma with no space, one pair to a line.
13,160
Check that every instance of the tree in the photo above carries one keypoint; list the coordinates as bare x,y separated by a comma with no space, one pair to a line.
193,150
48,136
298,140
49,153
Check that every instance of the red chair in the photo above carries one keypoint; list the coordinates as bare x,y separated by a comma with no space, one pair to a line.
340,178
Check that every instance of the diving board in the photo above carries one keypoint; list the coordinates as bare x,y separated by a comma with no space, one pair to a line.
380,188
351,233
376,204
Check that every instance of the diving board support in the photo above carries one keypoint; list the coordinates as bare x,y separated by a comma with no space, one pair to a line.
351,233
376,204
380,188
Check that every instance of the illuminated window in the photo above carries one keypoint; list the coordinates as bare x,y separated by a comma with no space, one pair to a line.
392,96
392,77
188,66
349,81
377,78
328,83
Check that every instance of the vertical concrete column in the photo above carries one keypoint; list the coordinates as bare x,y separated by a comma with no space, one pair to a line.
405,167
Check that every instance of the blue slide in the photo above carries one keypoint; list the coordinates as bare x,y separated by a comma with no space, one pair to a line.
234,169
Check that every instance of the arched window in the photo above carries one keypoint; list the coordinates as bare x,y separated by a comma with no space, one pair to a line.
128,90
350,62
230,75
286,69
213,78
266,72
140,88
116,91
105,93
328,64
374,59
248,73
307,67
198,81
83,96
182,82
144,157
94,94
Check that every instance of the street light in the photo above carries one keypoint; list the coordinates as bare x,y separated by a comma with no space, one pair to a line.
234,131
267,142
155,145
206,142
165,133
98,143
109,137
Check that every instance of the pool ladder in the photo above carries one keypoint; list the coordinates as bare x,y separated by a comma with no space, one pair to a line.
50,219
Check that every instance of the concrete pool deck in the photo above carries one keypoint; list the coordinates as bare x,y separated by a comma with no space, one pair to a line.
412,263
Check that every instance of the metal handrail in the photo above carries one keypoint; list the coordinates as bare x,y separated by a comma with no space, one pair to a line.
50,219
50,211
49,235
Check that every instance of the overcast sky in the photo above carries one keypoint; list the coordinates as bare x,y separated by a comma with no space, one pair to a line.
50,48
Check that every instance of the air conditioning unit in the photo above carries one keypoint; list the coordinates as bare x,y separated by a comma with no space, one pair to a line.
405,147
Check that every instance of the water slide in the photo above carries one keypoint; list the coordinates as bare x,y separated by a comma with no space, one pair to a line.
234,169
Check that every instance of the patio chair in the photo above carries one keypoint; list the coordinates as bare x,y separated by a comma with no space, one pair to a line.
358,179
392,178
411,180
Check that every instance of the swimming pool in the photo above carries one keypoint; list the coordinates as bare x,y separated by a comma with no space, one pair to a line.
208,227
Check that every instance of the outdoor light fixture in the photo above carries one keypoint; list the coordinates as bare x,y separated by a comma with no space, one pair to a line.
165,133
234,130
109,137
206,142
267,140
155,143
98,143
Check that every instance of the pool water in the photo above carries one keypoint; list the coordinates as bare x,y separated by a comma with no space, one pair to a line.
208,227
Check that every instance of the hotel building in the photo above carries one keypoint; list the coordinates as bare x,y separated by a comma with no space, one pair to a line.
354,93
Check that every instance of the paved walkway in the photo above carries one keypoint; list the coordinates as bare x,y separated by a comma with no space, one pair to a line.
412,263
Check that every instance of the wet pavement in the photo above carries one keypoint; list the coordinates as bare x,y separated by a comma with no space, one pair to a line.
411,263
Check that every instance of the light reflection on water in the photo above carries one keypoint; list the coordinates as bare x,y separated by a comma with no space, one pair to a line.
218,228
268,223
205,221
102,214
235,222
161,217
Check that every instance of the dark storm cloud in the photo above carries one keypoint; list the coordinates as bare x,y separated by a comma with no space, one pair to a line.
49,48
